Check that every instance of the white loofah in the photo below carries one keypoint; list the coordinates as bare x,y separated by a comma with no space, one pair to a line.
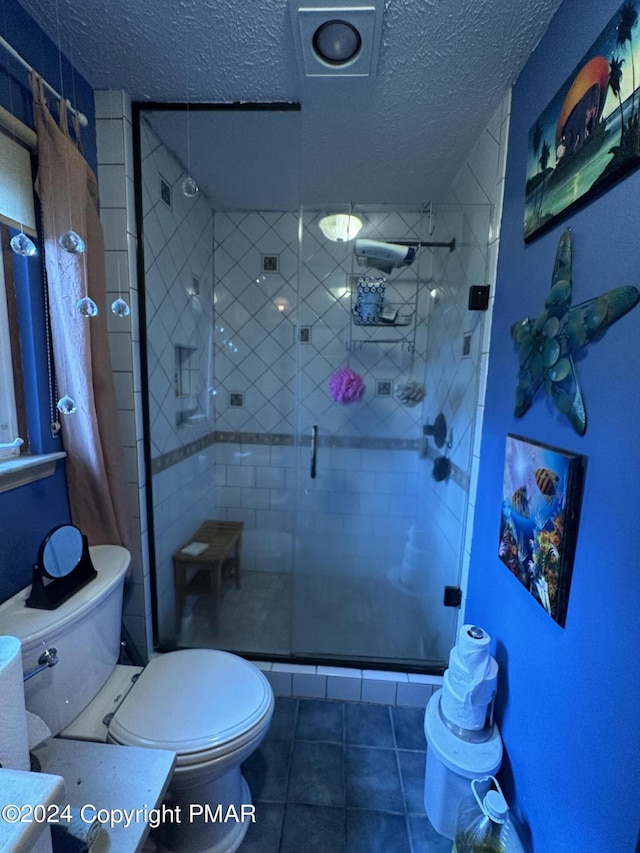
409,392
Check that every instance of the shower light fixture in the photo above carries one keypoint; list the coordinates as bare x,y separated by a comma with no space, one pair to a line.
340,227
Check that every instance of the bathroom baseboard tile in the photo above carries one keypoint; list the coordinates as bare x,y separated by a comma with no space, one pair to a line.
382,675
304,668
280,682
344,688
309,686
379,691
343,683
349,684
414,695
381,686
419,678
340,671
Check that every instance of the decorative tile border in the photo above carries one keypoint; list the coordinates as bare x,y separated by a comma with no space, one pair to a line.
457,475
167,460
276,439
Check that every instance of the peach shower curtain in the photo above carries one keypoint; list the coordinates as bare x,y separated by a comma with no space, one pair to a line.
68,193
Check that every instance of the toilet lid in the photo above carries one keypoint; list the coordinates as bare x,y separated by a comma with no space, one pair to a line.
192,700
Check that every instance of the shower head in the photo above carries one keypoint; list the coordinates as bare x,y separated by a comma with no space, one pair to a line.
383,256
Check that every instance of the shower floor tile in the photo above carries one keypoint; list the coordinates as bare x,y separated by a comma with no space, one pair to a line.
349,618
340,777
254,618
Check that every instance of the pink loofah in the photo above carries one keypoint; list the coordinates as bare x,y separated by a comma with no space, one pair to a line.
345,386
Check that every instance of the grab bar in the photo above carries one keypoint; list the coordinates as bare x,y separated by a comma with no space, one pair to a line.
49,657
314,448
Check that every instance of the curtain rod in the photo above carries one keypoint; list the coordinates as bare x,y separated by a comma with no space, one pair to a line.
81,116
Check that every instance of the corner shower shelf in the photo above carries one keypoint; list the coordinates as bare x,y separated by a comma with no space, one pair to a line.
403,306
403,318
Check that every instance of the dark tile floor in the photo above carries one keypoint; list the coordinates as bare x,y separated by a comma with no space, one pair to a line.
340,777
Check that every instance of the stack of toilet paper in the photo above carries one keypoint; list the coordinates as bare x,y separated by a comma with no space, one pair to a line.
19,730
14,735
470,682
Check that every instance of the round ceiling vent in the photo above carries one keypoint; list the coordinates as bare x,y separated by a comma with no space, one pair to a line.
337,42
334,39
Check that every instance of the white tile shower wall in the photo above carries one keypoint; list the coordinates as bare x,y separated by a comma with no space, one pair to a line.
362,503
115,177
178,254
377,354
455,383
255,317
350,515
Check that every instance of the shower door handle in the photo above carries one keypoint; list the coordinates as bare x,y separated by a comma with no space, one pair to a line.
314,449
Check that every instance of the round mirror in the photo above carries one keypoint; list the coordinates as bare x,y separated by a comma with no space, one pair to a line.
60,551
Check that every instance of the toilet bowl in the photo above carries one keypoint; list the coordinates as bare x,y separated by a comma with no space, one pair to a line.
211,708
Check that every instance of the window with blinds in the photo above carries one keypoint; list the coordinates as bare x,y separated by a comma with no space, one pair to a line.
16,185
8,412
16,211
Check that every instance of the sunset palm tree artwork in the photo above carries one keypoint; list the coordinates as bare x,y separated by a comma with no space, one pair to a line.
589,135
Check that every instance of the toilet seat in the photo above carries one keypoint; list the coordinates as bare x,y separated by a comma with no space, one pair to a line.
200,703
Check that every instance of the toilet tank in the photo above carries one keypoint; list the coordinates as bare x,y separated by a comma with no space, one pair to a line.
85,630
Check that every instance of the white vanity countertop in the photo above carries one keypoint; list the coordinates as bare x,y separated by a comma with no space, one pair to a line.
110,777
25,789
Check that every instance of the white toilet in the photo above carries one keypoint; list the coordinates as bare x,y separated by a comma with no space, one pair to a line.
210,707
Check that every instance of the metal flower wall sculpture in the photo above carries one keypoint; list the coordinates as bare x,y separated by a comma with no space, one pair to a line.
547,344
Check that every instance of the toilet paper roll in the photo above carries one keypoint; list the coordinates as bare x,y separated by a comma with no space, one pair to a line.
463,711
464,686
473,648
462,676
485,690
14,739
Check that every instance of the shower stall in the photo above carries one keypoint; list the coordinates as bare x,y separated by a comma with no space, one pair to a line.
353,513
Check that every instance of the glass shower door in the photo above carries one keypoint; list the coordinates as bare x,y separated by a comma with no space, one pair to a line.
364,588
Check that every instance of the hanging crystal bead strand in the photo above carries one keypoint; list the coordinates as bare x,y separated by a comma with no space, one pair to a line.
118,307
65,405
23,245
189,187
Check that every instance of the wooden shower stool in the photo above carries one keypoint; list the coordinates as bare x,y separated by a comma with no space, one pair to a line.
221,558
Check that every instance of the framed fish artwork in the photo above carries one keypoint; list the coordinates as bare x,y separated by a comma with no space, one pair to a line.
541,496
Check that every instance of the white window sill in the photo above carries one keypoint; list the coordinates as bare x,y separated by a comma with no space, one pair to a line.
27,469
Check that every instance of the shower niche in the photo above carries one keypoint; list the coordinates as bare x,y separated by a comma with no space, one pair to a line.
187,385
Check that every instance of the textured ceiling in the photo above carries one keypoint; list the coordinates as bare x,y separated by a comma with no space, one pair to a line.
397,137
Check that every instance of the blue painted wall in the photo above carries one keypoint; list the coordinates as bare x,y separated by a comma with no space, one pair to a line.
569,698
28,512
